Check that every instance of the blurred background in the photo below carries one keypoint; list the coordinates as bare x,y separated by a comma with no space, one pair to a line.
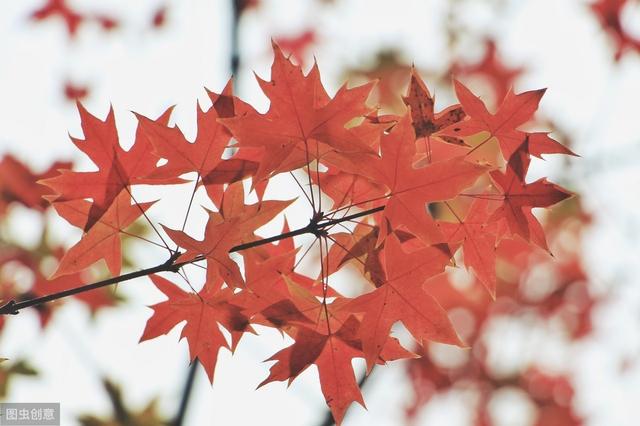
560,346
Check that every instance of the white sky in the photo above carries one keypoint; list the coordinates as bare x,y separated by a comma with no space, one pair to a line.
138,69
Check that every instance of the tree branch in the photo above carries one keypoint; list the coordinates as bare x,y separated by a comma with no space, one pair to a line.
12,307
314,227
186,394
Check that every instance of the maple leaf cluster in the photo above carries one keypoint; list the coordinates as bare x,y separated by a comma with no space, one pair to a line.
18,187
379,178
564,301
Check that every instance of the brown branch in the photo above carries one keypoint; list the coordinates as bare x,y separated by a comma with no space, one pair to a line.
316,227
12,307
186,394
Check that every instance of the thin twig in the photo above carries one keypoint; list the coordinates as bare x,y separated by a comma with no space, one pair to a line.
13,307
186,394
301,188
144,213
314,227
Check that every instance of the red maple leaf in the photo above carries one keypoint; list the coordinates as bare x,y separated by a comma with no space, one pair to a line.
331,345
102,241
520,197
425,121
332,353
403,298
478,238
201,156
267,299
514,111
202,312
234,225
541,143
303,122
345,180
19,184
359,245
117,168
412,188
269,270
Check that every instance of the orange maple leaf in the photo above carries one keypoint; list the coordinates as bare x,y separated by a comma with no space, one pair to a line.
202,312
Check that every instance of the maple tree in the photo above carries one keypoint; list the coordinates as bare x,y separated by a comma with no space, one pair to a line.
384,171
